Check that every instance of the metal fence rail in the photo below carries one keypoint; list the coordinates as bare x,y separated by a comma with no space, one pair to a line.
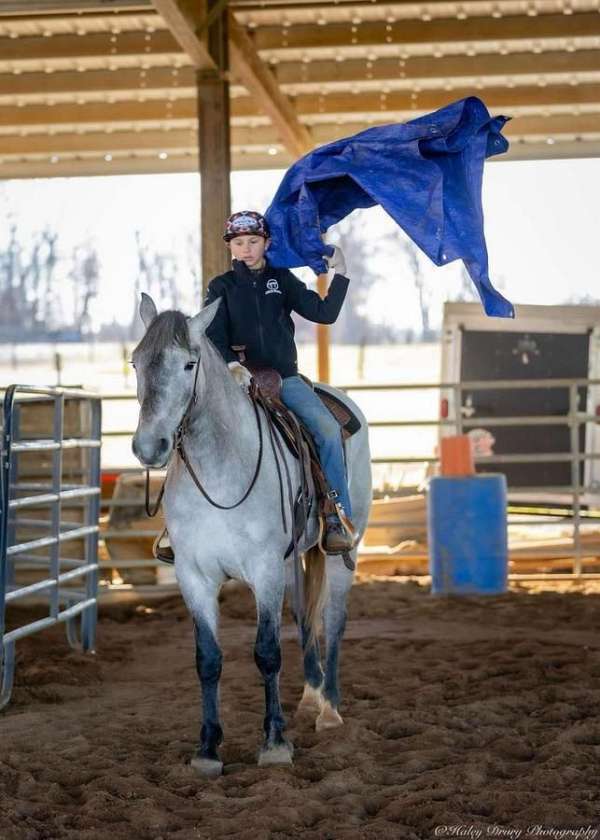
42,554
576,491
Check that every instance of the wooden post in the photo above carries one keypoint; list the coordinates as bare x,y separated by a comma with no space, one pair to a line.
214,148
322,337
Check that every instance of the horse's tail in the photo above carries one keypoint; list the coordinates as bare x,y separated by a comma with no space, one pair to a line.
315,589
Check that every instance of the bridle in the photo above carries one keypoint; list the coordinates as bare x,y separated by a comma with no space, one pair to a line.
179,447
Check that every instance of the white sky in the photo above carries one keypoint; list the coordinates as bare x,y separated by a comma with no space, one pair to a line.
541,221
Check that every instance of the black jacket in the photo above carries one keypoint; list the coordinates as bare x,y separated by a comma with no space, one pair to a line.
255,311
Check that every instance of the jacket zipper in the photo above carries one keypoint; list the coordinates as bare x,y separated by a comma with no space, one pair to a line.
261,340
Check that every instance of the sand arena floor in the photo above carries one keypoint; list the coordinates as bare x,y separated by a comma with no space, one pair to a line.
477,715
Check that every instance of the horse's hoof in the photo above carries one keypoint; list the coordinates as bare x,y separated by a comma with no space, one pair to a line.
329,718
209,767
277,756
311,701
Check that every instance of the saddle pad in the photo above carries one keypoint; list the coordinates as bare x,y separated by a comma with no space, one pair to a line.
345,416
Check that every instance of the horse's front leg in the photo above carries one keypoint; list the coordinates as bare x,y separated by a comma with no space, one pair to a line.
276,748
208,664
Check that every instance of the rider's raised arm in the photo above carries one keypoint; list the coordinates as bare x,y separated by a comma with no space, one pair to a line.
219,330
310,305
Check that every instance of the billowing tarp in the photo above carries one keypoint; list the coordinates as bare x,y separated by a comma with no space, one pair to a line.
426,174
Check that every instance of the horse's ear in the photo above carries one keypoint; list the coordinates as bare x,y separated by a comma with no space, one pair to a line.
148,310
198,325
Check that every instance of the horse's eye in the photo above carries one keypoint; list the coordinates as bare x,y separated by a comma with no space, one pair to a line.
190,365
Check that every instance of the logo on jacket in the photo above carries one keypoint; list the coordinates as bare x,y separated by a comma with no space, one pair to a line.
273,287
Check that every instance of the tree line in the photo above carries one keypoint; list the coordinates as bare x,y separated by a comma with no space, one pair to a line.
48,292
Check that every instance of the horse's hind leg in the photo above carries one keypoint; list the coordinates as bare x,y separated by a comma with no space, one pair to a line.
276,748
339,580
311,700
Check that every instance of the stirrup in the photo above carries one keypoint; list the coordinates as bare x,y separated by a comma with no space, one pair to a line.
163,552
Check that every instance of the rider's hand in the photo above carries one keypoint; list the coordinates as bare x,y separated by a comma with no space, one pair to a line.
241,374
336,261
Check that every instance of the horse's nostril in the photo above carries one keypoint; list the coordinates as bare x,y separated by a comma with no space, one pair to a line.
163,445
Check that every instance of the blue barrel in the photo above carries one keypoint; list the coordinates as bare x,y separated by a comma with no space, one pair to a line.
468,552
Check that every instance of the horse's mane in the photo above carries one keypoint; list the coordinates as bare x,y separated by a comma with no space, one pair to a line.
166,329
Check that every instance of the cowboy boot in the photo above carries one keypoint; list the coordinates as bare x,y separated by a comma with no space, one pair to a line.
162,548
338,536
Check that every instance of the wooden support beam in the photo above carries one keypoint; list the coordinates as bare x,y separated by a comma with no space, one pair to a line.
262,86
323,368
214,147
187,21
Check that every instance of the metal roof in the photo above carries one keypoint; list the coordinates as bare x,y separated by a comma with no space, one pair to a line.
95,87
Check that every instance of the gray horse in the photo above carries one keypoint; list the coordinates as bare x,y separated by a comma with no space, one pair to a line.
180,373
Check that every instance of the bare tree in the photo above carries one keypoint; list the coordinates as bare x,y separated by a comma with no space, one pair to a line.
84,276
28,303
157,275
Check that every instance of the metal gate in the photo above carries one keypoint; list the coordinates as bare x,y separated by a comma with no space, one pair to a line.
50,497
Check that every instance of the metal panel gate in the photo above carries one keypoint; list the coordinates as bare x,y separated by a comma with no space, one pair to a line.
49,504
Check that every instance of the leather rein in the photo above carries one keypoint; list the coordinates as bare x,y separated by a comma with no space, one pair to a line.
257,400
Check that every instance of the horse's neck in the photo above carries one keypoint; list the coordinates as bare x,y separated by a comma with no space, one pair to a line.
223,423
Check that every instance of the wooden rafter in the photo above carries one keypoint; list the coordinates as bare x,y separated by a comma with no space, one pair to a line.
524,100
262,85
186,19
328,76
258,138
437,70
92,45
441,31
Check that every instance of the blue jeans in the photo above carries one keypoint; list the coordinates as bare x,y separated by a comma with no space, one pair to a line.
325,429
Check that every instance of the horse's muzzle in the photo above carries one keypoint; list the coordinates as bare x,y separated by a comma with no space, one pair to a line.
151,452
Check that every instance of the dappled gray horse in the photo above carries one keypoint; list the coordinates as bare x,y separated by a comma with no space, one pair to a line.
180,373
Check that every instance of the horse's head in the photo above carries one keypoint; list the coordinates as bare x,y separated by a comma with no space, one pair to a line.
167,363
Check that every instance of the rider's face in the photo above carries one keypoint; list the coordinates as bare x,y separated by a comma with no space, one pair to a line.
249,249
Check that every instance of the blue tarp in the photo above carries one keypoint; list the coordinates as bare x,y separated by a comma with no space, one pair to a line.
425,173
